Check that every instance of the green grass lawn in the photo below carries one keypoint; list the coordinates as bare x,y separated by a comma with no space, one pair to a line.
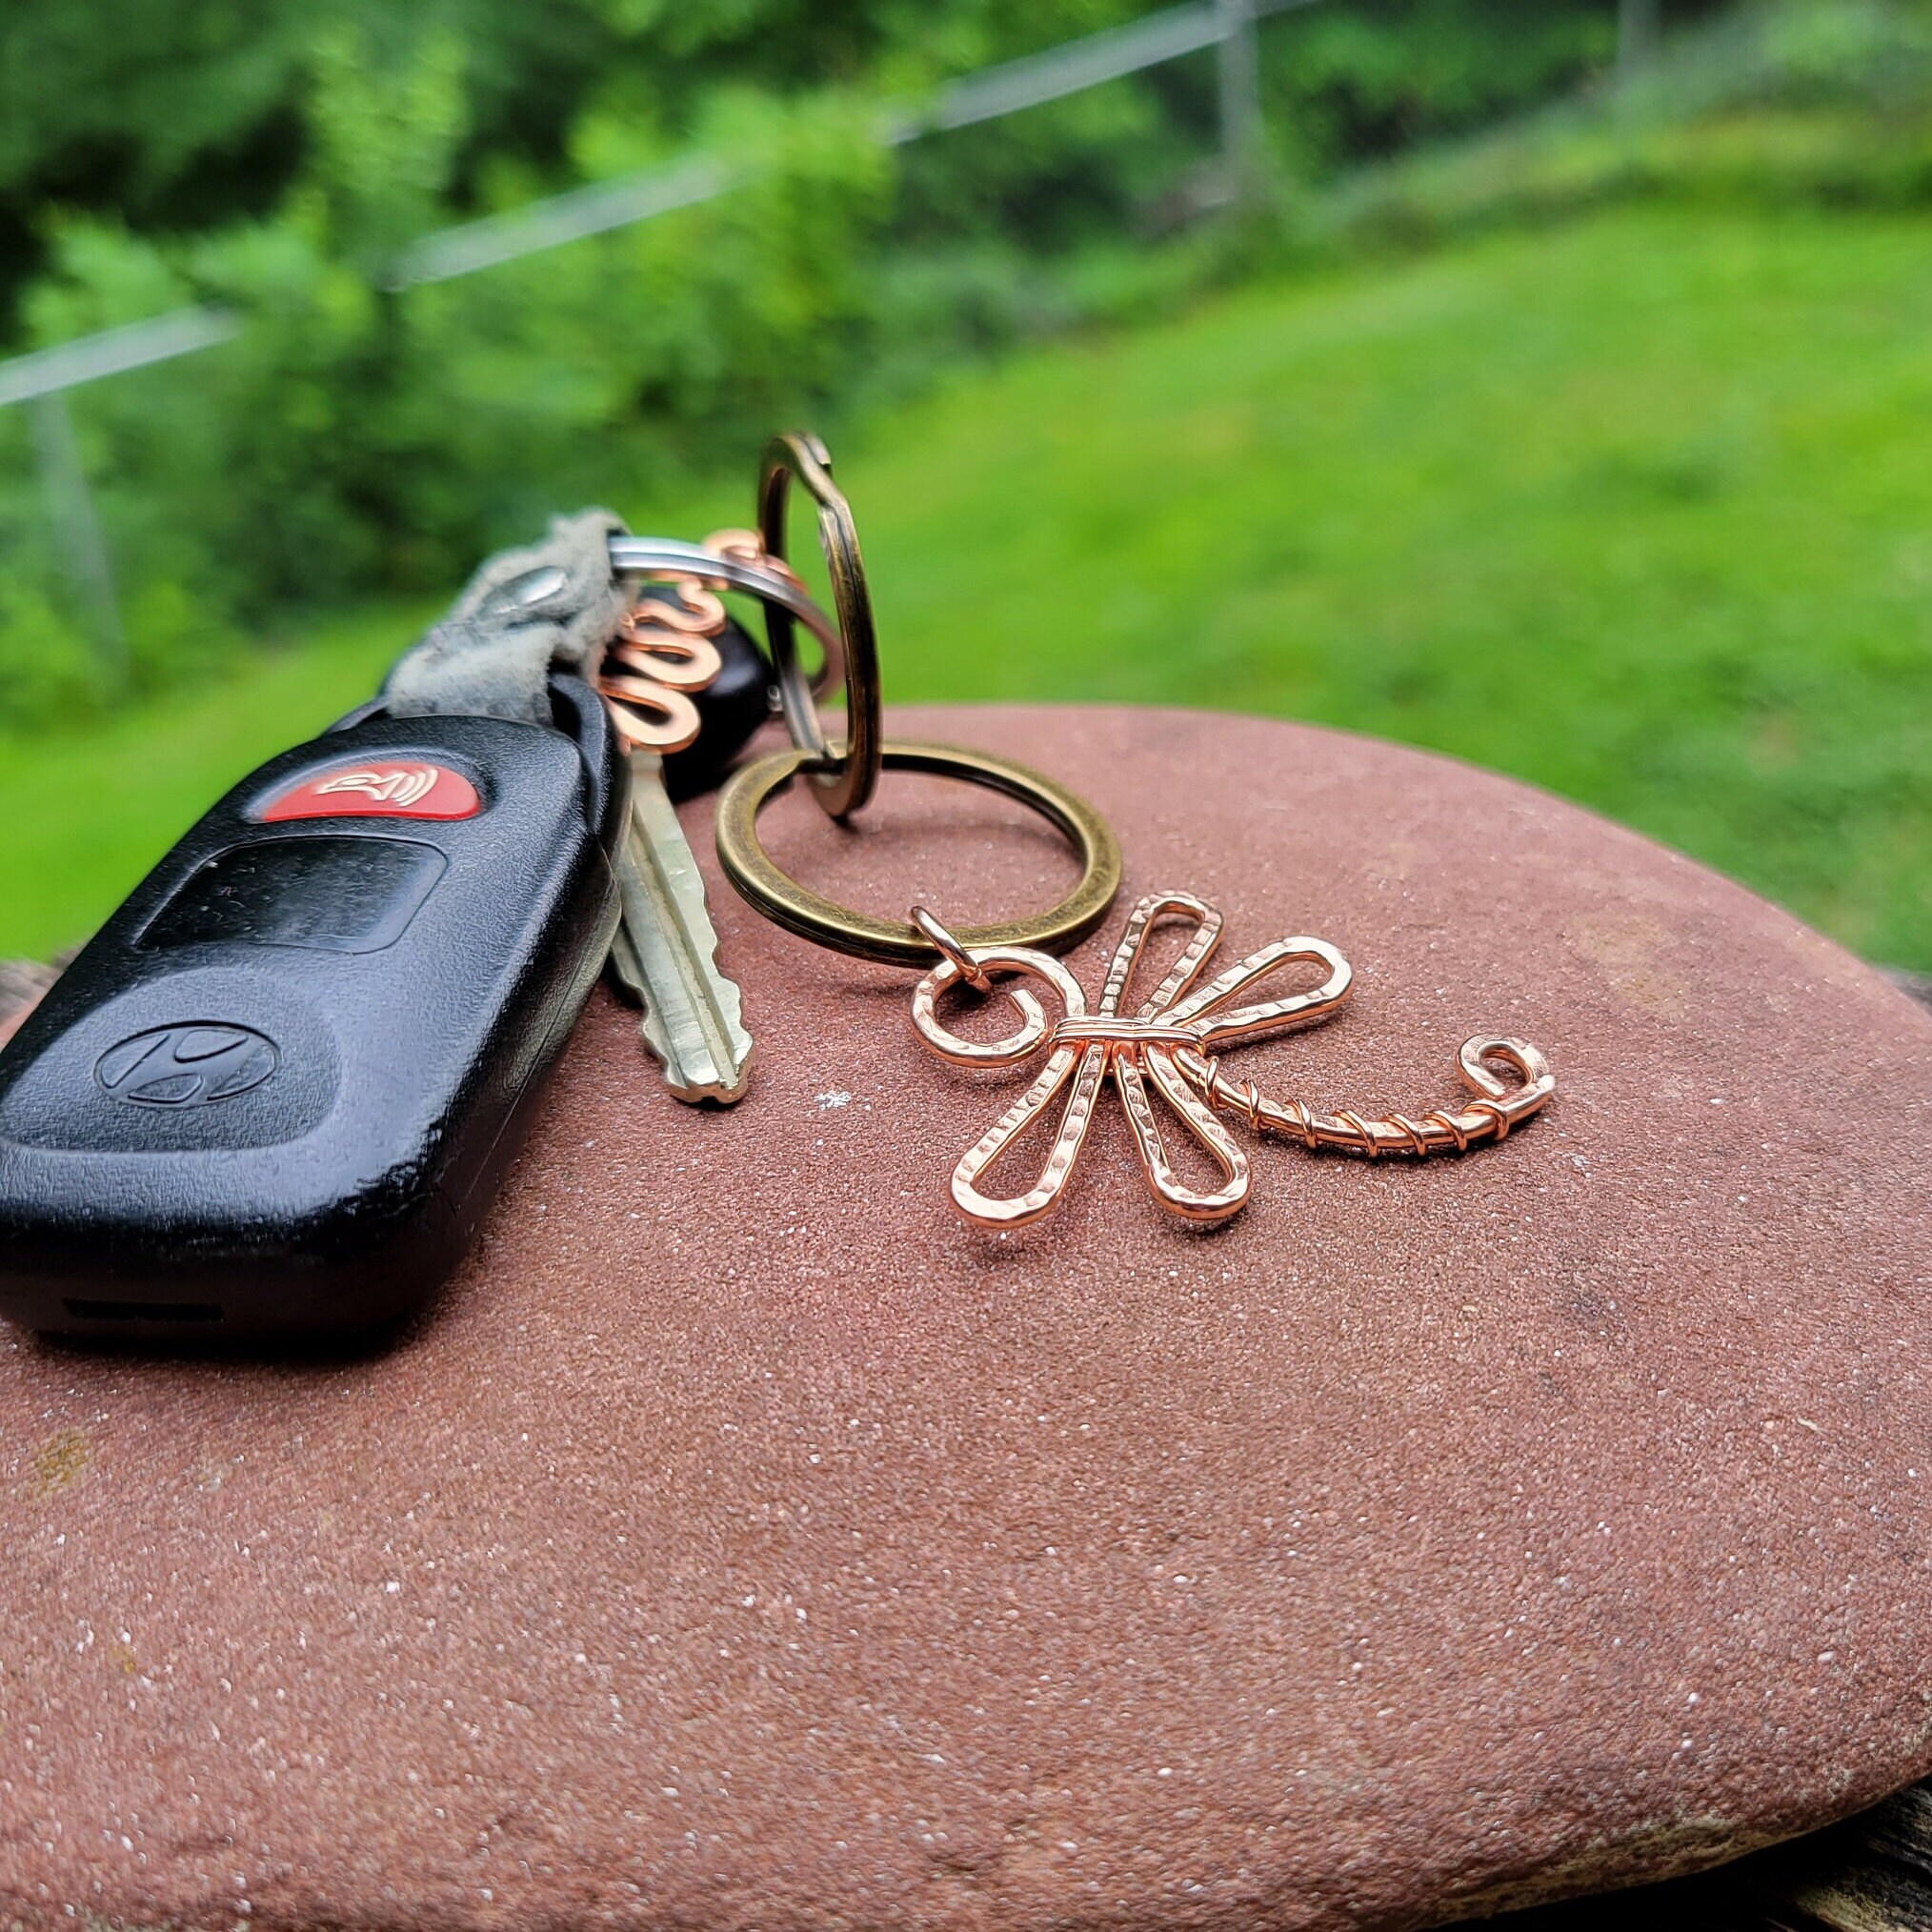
1639,507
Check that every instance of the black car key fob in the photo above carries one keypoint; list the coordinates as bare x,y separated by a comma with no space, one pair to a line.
270,1097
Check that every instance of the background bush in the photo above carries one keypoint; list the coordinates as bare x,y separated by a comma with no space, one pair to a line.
359,438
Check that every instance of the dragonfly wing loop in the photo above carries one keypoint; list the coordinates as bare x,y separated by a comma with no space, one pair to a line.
1154,910
1131,1072
1086,1067
1222,1024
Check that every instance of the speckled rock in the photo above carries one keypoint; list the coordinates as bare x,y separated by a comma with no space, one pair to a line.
747,1541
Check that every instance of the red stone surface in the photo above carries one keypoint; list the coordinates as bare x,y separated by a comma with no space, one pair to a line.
748,1541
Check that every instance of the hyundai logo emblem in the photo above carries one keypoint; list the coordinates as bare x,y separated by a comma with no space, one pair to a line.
190,1066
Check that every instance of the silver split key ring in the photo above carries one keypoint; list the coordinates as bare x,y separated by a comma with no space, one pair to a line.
649,556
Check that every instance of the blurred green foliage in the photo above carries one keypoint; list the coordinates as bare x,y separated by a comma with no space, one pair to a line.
276,156
1637,507
1588,443
359,439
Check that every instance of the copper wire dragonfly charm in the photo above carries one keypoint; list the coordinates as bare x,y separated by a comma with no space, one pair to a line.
1168,1046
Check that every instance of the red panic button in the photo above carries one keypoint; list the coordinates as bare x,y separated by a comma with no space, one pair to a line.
376,790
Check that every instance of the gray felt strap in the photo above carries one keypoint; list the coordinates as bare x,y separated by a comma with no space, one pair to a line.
525,611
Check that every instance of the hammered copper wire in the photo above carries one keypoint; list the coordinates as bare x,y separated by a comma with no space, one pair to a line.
1162,1045
680,662
649,715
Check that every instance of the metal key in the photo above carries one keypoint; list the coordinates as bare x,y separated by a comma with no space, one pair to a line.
665,951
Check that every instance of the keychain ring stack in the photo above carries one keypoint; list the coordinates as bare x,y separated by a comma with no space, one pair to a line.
1165,1049
842,777
844,773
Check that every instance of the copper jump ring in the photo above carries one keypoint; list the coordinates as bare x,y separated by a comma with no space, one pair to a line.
949,949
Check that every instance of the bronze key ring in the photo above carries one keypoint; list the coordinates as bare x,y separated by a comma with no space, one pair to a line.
844,776
891,942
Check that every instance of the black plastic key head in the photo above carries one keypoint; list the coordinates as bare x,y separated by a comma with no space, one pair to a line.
733,706
270,1097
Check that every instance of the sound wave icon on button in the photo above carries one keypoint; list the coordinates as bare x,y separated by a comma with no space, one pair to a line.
407,789
401,785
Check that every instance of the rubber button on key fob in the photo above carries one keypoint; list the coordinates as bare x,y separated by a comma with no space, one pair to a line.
376,789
